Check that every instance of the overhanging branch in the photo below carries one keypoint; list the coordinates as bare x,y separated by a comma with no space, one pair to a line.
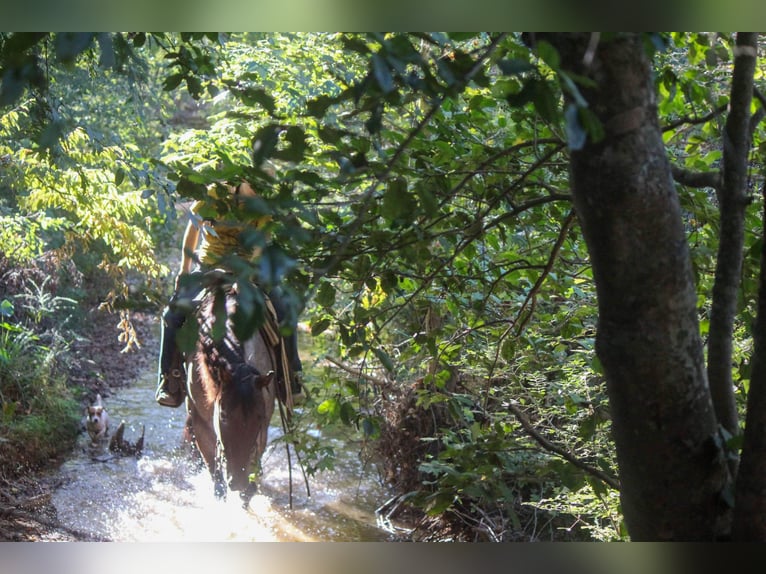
566,455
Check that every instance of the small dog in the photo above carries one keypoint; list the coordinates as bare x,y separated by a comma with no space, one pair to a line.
96,420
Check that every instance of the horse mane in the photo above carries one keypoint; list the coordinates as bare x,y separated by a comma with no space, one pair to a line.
223,363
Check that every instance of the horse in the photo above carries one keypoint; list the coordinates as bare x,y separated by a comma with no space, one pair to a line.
232,388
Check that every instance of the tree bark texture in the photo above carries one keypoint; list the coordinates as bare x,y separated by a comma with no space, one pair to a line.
733,200
672,470
750,494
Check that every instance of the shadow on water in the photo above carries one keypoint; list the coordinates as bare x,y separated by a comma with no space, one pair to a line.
164,496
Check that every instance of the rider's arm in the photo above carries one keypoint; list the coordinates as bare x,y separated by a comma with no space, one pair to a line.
189,245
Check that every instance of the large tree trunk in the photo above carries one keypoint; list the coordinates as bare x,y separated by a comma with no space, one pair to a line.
750,512
672,471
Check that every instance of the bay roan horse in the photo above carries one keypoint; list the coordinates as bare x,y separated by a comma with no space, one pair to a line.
232,387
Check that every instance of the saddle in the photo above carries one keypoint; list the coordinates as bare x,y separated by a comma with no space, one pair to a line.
284,371
272,335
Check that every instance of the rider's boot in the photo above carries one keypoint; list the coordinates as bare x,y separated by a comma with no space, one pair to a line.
171,386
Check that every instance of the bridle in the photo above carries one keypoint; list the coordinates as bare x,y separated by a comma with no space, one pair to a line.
220,467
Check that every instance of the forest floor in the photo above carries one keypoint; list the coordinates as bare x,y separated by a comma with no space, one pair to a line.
26,511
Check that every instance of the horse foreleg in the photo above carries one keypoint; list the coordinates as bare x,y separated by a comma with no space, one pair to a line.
248,493
203,437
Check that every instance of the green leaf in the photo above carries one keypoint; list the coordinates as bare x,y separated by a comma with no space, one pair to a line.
384,358
297,148
194,86
6,308
329,407
219,313
320,326
514,67
172,82
330,135
548,54
69,45
576,134
598,486
139,39
370,427
264,143
250,96
325,296
546,102
319,105
440,503
542,97
187,335
397,202
355,44
382,74
462,36
188,188
347,413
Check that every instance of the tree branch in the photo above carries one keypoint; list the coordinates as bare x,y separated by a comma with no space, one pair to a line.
759,113
695,121
733,199
566,455
369,194
357,372
697,178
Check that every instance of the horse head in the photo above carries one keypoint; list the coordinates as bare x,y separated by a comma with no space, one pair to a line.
241,417
232,394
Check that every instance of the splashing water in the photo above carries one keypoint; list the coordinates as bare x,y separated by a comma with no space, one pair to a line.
165,496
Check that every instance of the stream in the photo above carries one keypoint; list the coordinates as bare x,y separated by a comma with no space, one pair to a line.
163,496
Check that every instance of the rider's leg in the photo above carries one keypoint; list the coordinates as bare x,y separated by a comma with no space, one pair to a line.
171,381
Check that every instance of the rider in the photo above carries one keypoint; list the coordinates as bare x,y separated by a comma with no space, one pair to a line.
212,241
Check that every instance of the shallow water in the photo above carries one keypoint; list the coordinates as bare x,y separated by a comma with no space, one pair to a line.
163,496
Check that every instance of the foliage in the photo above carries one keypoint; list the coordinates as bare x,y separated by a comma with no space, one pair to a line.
435,270
37,412
78,225
75,177
445,261
421,221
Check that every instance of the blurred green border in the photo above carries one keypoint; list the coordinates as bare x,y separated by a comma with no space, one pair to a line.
378,15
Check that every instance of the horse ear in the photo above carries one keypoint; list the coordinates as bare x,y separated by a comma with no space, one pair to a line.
265,380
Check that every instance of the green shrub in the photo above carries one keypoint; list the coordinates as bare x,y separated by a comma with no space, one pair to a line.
38,416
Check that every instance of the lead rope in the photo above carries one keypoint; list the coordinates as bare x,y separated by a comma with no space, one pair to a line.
271,331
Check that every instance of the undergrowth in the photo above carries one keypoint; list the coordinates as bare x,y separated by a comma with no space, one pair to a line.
39,413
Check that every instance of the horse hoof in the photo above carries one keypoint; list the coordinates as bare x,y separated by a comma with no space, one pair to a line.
220,491
245,496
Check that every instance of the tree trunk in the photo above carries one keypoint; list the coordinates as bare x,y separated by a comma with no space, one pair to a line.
671,466
750,495
733,201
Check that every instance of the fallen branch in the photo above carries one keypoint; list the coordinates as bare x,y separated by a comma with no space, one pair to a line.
385,383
